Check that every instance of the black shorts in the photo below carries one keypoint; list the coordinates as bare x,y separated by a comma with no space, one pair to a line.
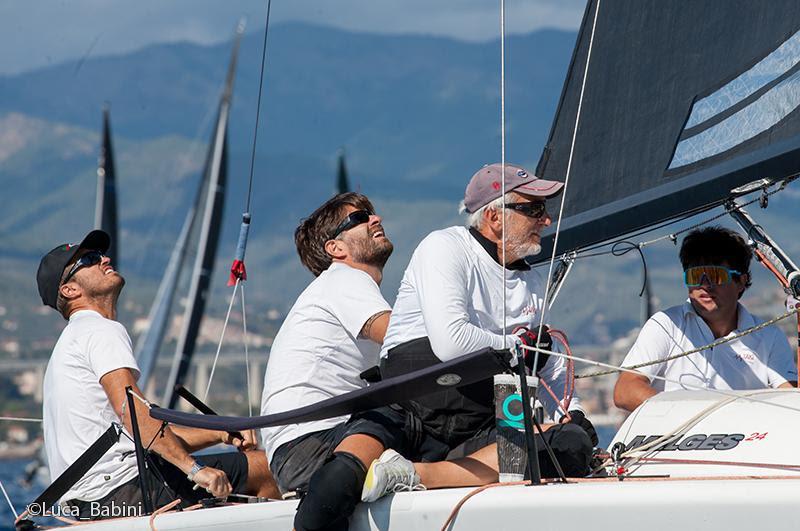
294,462
166,483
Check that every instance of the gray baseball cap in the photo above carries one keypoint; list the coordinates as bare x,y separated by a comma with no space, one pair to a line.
486,185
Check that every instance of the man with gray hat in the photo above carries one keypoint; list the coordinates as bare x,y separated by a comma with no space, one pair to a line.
85,392
450,303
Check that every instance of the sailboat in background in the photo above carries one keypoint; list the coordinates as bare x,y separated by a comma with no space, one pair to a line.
342,182
669,109
204,218
105,212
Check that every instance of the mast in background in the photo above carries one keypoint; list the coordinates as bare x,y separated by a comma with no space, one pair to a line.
215,174
105,212
342,183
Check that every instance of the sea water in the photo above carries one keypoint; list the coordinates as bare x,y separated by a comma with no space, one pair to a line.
11,473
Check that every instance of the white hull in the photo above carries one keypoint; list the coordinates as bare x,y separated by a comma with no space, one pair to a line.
714,493
598,505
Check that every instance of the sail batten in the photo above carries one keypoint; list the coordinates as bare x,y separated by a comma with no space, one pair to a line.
685,102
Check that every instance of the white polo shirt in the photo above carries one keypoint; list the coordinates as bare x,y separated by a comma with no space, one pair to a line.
756,361
317,353
452,293
76,408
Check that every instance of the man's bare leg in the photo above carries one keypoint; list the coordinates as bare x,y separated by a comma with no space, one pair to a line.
479,468
259,477
364,447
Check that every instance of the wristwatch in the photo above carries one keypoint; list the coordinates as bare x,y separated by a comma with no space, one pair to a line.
196,467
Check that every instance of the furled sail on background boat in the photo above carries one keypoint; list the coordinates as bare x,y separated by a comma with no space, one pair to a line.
149,343
105,212
215,178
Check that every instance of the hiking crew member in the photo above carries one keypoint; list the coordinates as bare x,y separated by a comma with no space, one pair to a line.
450,304
716,265
332,333
84,393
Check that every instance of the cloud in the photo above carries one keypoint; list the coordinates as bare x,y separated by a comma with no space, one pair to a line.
43,33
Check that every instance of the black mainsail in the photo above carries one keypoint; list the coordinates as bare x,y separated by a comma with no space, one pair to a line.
215,177
684,101
105,211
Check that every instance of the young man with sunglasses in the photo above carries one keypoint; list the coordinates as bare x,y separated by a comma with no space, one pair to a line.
84,393
331,335
716,264
450,303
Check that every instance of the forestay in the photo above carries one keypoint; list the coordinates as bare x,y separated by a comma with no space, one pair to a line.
684,101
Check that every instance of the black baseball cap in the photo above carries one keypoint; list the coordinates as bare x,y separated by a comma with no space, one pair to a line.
48,277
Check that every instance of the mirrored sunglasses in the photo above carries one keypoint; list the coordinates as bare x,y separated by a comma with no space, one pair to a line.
712,274
89,259
532,209
353,219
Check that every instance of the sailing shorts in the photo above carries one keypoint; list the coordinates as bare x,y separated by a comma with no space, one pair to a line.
128,496
294,462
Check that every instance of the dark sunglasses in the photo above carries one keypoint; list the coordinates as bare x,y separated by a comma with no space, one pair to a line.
715,275
532,209
353,219
89,259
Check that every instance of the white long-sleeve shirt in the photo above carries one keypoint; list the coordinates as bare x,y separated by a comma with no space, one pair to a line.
452,293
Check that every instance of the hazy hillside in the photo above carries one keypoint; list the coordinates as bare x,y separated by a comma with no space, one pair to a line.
417,114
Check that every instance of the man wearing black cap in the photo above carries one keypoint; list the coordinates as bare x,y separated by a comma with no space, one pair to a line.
84,393
451,303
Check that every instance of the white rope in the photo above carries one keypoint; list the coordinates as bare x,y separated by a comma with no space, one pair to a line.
503,156
21,419
662,378
16,515
221,338
569,163
138,397
246,355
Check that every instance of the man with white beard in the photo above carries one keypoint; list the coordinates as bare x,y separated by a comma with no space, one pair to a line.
450,303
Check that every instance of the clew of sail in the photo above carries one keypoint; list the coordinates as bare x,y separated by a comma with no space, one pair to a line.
684,102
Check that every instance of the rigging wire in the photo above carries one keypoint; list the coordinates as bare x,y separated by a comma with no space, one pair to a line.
718,342
503,157
673,236
221,338
258,107
13,510
569,168
238,272
21,419
246,356
685,385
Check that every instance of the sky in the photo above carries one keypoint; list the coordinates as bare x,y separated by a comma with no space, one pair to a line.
38,33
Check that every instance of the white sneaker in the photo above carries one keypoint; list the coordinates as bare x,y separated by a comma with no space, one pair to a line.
391,472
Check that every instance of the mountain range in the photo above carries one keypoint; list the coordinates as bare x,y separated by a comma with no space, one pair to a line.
417,115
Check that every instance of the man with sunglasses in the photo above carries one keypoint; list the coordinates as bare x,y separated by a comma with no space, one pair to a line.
84,393
330,336
450,304
716,265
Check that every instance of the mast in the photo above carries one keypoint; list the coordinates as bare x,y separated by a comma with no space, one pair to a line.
148,343
215,173
342,183
105,212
